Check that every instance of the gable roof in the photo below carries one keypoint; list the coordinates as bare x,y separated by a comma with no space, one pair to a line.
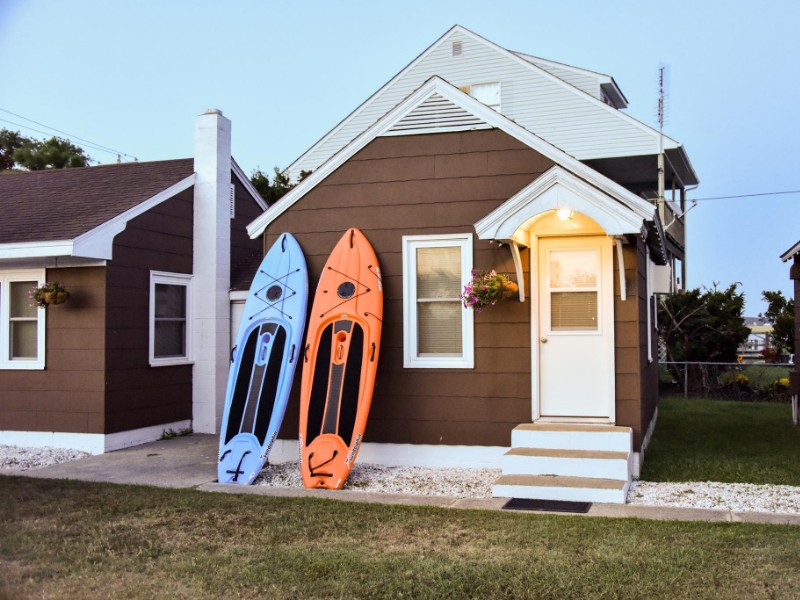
440,93
61,204
602,131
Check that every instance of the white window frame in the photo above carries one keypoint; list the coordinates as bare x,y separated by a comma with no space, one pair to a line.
411,357
498,106
6,362
160,277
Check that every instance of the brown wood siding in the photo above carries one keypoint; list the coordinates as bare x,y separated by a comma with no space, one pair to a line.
139,395
68,395
637,378
429,184
246,254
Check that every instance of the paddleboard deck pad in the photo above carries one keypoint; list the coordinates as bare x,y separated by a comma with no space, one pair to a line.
340,362
267,349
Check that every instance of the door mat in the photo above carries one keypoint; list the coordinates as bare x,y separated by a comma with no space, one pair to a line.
547,505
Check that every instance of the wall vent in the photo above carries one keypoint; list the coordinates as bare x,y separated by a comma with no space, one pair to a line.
457,48
232,201
437,114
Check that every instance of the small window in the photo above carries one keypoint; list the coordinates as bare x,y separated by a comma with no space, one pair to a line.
170,323
22,322
488,93
438,331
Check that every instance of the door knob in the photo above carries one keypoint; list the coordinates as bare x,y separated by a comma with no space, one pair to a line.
543,339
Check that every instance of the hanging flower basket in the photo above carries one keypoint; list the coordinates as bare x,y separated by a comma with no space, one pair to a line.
49,293
485,288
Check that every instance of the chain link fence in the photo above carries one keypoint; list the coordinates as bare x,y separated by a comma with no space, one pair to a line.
759,382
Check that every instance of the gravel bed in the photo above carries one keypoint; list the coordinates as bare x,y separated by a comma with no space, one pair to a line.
15,458
474,483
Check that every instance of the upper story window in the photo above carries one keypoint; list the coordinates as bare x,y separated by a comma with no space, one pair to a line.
22,322
437,331
487,93
170,322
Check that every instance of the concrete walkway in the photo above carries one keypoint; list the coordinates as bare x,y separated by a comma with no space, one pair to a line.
190,462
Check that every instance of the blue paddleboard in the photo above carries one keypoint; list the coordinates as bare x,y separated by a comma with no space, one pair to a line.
267,349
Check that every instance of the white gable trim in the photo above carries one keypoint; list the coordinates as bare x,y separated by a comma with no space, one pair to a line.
247,184
558,188
667,141
436,85
99,242
96,243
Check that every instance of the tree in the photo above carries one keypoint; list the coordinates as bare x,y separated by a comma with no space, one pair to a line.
56,153
10,142
271,192
780,314
703,326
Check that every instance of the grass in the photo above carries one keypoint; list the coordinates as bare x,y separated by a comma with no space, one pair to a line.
67,539
719,440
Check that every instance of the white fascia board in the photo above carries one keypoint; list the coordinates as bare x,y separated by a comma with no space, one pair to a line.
791,252
36,249
480,110
558,188
247,184
99,242
601,77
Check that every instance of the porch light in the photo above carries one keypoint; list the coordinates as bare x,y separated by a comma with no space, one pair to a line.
565,214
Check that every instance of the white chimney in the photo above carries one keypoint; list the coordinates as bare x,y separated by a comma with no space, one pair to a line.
211,282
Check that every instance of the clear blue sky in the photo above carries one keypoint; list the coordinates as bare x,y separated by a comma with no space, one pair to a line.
133,76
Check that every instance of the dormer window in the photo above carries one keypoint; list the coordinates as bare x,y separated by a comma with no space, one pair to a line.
487,93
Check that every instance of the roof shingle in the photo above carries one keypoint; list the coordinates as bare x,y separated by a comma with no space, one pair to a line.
61,204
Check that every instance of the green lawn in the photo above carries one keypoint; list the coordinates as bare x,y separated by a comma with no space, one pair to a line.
719,440
62,539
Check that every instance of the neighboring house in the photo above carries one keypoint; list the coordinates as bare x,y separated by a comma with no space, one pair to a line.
758,340
441,182
149,252
793,254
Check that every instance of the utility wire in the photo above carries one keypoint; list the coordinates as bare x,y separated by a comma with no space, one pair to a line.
93,145
746,195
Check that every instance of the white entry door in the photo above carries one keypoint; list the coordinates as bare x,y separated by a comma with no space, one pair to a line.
575,328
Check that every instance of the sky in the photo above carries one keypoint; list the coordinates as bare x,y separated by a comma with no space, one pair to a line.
132,76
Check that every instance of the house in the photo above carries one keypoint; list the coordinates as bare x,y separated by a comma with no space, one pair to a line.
475,157
149,253
793,254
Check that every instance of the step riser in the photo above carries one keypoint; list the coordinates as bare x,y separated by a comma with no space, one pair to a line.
560,493
573,440
570,467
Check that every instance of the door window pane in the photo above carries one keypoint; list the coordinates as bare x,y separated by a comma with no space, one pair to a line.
573,311
573,277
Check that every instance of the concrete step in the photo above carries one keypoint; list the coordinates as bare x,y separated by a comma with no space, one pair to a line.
551,487
572,436
598,464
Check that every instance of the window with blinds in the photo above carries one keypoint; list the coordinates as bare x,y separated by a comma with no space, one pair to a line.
573,280
21,321
438,332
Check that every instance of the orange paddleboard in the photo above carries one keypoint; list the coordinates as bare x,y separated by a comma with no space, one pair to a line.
341,359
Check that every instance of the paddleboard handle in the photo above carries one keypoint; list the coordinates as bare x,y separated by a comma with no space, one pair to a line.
233,352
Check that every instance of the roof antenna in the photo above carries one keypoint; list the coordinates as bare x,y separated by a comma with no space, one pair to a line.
663,72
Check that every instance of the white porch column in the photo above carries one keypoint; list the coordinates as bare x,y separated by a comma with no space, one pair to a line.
212,233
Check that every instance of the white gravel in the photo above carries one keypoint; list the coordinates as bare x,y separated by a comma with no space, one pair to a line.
475,483
15,458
